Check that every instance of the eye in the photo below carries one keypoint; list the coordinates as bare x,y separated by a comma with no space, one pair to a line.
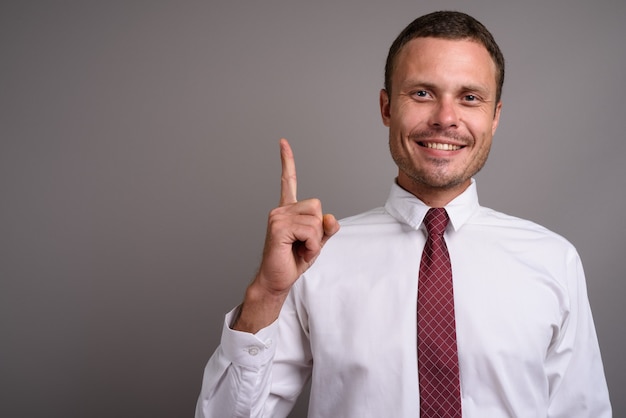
420,94
472,100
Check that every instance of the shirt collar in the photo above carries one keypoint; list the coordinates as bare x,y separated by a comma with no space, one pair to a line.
408,209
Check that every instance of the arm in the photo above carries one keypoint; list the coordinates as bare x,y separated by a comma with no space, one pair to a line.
577,383
296,232
238,377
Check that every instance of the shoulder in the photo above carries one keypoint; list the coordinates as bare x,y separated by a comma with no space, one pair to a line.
371,217
508,228
374,222
363,236
490,218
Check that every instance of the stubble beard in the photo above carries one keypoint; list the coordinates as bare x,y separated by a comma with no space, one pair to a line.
437,178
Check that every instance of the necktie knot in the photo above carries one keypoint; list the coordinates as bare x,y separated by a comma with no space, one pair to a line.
436,221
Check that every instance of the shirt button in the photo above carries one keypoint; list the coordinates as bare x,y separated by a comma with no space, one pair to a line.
253,351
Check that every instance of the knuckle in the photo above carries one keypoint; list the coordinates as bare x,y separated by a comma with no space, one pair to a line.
273,213
318,224
314,205
288,178
317,204
275,219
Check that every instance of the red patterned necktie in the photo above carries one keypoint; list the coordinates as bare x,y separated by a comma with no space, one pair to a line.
438,364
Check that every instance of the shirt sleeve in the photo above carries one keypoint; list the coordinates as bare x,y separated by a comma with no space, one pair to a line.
577,383
256,375
238,371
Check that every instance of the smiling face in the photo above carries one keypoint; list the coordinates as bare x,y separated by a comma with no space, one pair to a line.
441,115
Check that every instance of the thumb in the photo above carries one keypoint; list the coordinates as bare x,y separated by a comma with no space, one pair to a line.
331,226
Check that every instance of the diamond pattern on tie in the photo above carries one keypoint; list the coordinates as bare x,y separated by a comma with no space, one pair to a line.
438,365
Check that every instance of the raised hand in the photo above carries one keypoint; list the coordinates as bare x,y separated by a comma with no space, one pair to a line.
296,233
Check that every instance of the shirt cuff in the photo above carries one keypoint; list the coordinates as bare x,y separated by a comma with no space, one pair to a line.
246,349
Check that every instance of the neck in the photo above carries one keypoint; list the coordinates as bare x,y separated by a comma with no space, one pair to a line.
434,197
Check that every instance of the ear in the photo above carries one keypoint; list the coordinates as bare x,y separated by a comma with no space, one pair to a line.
384,107
496,118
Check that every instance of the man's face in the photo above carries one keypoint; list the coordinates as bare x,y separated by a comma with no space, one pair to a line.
441,114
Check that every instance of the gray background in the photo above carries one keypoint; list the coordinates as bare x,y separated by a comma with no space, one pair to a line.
139,159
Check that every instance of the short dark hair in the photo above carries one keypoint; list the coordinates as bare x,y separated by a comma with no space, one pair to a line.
447,25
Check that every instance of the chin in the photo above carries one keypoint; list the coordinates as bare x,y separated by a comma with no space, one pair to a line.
438,182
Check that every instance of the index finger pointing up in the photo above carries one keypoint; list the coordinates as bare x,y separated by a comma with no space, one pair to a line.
288,182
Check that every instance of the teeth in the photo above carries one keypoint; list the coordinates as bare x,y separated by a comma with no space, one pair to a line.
443,147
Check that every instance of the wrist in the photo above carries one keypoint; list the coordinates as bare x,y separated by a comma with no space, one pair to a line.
259,309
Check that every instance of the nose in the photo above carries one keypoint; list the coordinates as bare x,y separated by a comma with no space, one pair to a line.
444,114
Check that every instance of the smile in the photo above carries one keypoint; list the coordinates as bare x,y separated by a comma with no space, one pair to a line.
440,146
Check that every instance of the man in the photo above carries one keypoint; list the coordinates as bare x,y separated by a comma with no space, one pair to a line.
351,317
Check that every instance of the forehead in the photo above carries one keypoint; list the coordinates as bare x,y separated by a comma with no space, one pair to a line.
445,59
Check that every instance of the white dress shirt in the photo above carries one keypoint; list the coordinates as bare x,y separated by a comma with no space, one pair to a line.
526,340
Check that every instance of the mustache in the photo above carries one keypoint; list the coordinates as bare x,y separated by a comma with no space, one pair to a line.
436,133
